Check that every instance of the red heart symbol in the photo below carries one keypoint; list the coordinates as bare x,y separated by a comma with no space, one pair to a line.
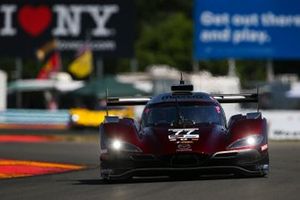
34,20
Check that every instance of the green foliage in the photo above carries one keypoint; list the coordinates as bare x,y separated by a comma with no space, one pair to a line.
30,67
7,64
251,70
216,67
167,42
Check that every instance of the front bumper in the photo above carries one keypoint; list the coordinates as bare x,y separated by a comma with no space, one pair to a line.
244,162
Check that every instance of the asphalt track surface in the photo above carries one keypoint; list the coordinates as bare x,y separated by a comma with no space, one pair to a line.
282,183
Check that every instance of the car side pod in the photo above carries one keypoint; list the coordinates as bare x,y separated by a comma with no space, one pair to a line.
249,131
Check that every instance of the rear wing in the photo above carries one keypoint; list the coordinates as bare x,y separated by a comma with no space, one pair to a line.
236,98
221,98
115,101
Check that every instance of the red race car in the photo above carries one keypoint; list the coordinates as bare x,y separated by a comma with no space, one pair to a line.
183,133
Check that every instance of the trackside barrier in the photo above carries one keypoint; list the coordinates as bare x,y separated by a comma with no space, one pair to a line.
283,124
29,116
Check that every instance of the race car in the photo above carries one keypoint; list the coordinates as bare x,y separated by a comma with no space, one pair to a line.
184,133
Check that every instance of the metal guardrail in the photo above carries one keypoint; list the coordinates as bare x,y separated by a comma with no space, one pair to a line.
33,116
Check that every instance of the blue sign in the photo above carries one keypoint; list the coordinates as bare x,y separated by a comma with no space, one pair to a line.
268,29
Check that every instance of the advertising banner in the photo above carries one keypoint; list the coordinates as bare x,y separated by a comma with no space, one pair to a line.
26,25
267,29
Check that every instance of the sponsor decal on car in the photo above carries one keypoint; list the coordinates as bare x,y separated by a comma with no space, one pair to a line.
184,147
183,134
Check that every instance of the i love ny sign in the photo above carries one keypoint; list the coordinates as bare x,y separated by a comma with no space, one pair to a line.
107,24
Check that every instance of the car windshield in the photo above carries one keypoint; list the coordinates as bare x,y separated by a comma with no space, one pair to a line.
194,114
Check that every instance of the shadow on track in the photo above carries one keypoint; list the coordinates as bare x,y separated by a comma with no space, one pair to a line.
157,179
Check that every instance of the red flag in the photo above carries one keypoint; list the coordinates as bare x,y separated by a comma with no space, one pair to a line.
52,65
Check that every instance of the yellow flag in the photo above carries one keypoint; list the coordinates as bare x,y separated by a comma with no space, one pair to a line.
83,65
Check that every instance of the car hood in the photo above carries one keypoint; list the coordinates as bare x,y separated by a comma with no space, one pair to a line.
203,138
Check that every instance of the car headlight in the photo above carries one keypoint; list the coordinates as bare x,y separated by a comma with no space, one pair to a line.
118,145
249,141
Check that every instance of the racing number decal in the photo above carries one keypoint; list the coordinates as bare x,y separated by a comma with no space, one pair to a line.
183,134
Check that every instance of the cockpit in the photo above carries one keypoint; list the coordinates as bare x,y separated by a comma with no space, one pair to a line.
182,113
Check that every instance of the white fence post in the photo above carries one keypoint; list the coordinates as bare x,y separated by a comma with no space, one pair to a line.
3,90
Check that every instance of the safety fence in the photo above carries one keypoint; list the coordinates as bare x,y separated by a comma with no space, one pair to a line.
32,116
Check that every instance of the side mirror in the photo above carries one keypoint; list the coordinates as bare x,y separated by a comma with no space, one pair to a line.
253,115
233,119
111,119
129,119
133,121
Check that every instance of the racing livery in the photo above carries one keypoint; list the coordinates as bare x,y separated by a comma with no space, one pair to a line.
183,132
